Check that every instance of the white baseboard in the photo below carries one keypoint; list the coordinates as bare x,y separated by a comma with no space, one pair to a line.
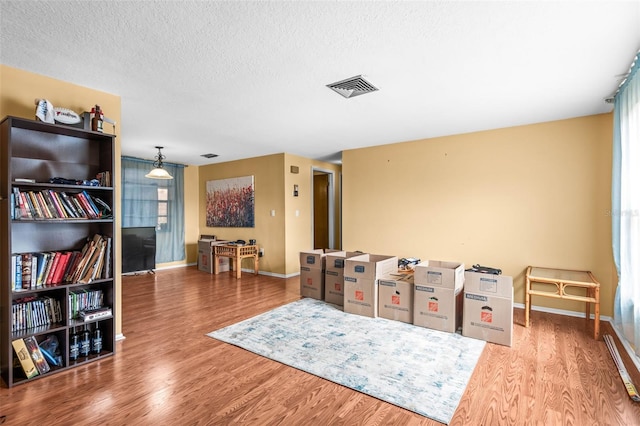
560,311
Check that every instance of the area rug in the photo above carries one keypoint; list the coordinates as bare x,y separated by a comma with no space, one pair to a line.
423,370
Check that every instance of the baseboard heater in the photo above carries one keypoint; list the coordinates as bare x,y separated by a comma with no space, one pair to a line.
624,374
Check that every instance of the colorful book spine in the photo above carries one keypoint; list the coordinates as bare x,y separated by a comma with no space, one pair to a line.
36,355
28,366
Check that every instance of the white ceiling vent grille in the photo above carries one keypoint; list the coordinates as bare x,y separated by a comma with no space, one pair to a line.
353,86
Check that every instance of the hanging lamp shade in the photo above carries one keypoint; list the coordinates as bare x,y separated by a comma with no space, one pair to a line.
158,171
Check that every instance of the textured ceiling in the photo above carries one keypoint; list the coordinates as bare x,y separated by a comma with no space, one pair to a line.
248,78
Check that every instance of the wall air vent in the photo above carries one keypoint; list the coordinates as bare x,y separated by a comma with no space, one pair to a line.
209,155
353,86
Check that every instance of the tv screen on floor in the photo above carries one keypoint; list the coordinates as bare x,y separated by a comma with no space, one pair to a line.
138,249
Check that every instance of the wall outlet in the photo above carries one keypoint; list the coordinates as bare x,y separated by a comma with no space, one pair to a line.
261,252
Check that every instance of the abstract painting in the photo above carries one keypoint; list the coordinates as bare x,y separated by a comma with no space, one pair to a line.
231,202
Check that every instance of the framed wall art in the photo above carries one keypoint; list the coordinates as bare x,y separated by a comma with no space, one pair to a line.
231,202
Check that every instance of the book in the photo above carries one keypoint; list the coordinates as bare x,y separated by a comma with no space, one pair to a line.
24,180
26,201
28,366
26,271
52,271
92,205
18,264
69,205
44,206
43,263
61,268
36,355
31,197
106,273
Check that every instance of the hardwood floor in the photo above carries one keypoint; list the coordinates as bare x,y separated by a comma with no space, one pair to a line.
168,372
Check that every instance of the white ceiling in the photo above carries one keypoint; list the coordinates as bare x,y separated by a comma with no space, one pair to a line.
248,78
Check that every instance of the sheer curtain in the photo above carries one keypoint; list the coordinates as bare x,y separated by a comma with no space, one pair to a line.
155,202
626,207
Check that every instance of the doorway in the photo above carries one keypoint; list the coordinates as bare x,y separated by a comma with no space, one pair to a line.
323,209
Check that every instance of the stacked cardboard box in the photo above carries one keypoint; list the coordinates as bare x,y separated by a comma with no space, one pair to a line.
488,307
395,298
205,255
312,268
438,295
334,276
361,274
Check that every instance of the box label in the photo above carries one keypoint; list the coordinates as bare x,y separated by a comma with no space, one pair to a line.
434,277
488,285
486,314
359,269
387,283
311,260
472,296
304,268
338,263
350,279
334,273
395,300
359,295
433,304
337,287
423,288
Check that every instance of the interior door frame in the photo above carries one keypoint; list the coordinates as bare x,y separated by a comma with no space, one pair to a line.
331,194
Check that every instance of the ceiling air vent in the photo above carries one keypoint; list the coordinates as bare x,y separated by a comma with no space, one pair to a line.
353,86
209,155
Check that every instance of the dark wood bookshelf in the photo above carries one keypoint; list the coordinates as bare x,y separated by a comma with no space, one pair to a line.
38,151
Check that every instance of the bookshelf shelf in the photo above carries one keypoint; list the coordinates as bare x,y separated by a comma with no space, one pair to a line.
42,221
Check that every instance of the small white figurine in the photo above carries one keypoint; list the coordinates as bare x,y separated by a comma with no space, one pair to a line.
44,111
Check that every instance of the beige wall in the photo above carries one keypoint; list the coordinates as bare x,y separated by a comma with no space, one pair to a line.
269,231
299,229
509,198
19,88
284,235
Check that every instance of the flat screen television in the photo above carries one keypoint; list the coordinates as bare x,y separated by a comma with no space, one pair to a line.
138,249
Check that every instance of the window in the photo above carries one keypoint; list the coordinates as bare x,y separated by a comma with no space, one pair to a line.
157,203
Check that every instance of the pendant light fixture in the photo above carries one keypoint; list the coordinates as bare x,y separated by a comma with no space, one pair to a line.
158,172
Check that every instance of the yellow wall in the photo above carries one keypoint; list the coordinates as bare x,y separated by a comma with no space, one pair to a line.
299,229
284,235
269,231
530,195
19,88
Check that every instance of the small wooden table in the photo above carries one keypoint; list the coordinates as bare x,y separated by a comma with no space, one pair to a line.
236,253
563,279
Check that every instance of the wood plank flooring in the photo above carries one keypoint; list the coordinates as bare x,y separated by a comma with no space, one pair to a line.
167,372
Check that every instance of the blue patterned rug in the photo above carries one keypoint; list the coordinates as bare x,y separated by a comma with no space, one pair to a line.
423,370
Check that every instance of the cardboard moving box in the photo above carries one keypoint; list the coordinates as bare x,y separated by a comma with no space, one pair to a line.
205,255
334,276
437,308
312,268
360,282
395,298
436,273
488,308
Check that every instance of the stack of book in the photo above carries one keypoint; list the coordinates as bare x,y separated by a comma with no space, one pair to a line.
32,312
30,271
85,300
50,204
